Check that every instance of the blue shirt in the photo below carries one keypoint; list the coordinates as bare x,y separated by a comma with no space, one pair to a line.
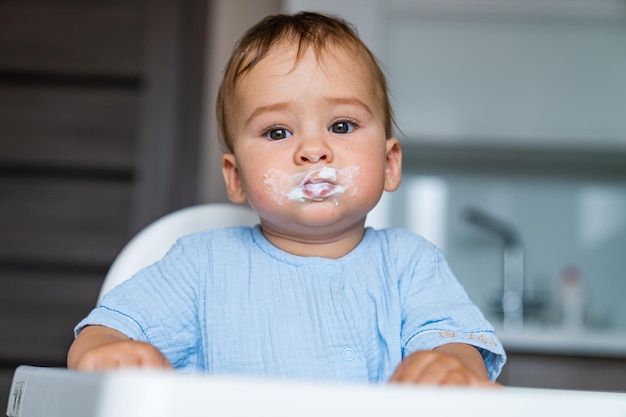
227,301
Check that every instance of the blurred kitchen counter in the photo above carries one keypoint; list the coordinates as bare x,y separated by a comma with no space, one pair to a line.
577,359
554,340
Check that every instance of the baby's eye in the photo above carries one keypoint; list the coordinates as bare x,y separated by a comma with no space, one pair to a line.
277,133
342,127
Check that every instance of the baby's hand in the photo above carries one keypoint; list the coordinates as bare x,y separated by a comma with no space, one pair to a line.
99,348
459,366
122,354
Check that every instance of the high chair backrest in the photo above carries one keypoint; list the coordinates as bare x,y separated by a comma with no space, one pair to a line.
152,242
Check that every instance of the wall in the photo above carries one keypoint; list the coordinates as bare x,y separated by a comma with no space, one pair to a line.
99,117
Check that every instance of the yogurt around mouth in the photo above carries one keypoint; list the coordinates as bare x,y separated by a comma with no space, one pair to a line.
319,184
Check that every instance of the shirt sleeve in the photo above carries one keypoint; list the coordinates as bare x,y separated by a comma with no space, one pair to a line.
158,306
437,311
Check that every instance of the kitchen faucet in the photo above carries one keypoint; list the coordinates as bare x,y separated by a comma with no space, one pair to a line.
511,300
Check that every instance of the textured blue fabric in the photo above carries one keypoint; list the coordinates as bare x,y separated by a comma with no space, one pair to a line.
229,302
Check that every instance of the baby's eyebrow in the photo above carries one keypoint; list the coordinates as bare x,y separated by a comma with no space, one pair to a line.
282,106
352,101
274,107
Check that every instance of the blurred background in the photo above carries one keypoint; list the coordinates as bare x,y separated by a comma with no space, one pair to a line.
512,116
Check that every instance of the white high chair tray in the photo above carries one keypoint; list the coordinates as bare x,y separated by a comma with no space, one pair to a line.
56,392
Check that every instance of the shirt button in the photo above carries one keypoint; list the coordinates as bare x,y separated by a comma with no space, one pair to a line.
330,269
348,354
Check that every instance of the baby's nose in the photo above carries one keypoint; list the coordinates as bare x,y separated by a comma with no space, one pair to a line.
313,147
313,158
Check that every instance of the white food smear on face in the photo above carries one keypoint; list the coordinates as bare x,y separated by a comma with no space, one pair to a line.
325,173
309,186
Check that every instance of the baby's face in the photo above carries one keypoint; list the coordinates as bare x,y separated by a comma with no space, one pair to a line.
309,142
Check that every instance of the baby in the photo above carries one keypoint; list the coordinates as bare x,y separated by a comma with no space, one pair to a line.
310,293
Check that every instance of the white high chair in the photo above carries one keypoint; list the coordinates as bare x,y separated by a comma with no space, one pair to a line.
153,242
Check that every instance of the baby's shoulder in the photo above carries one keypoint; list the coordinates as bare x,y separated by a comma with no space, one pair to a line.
403,247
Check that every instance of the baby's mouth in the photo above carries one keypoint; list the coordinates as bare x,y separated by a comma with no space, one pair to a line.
318,189
317,185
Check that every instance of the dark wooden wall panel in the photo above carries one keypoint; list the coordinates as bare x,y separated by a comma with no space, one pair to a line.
6,376
72,36
43,334
100,109
62,220
77,127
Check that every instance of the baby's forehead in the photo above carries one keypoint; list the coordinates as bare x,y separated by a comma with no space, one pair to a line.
328,56
333,65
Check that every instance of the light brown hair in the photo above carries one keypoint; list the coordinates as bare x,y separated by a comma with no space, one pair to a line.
305,29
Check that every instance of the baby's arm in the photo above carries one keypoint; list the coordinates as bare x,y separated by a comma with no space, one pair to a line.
99,347
450,364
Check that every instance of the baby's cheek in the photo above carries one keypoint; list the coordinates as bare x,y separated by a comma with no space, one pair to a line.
367,179
258,197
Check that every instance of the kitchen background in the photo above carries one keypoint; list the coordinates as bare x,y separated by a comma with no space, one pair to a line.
513,122
512,117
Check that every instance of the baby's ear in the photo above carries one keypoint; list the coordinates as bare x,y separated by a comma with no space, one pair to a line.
393,165
234,187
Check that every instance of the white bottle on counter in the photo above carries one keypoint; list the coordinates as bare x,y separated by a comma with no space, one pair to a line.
572,299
